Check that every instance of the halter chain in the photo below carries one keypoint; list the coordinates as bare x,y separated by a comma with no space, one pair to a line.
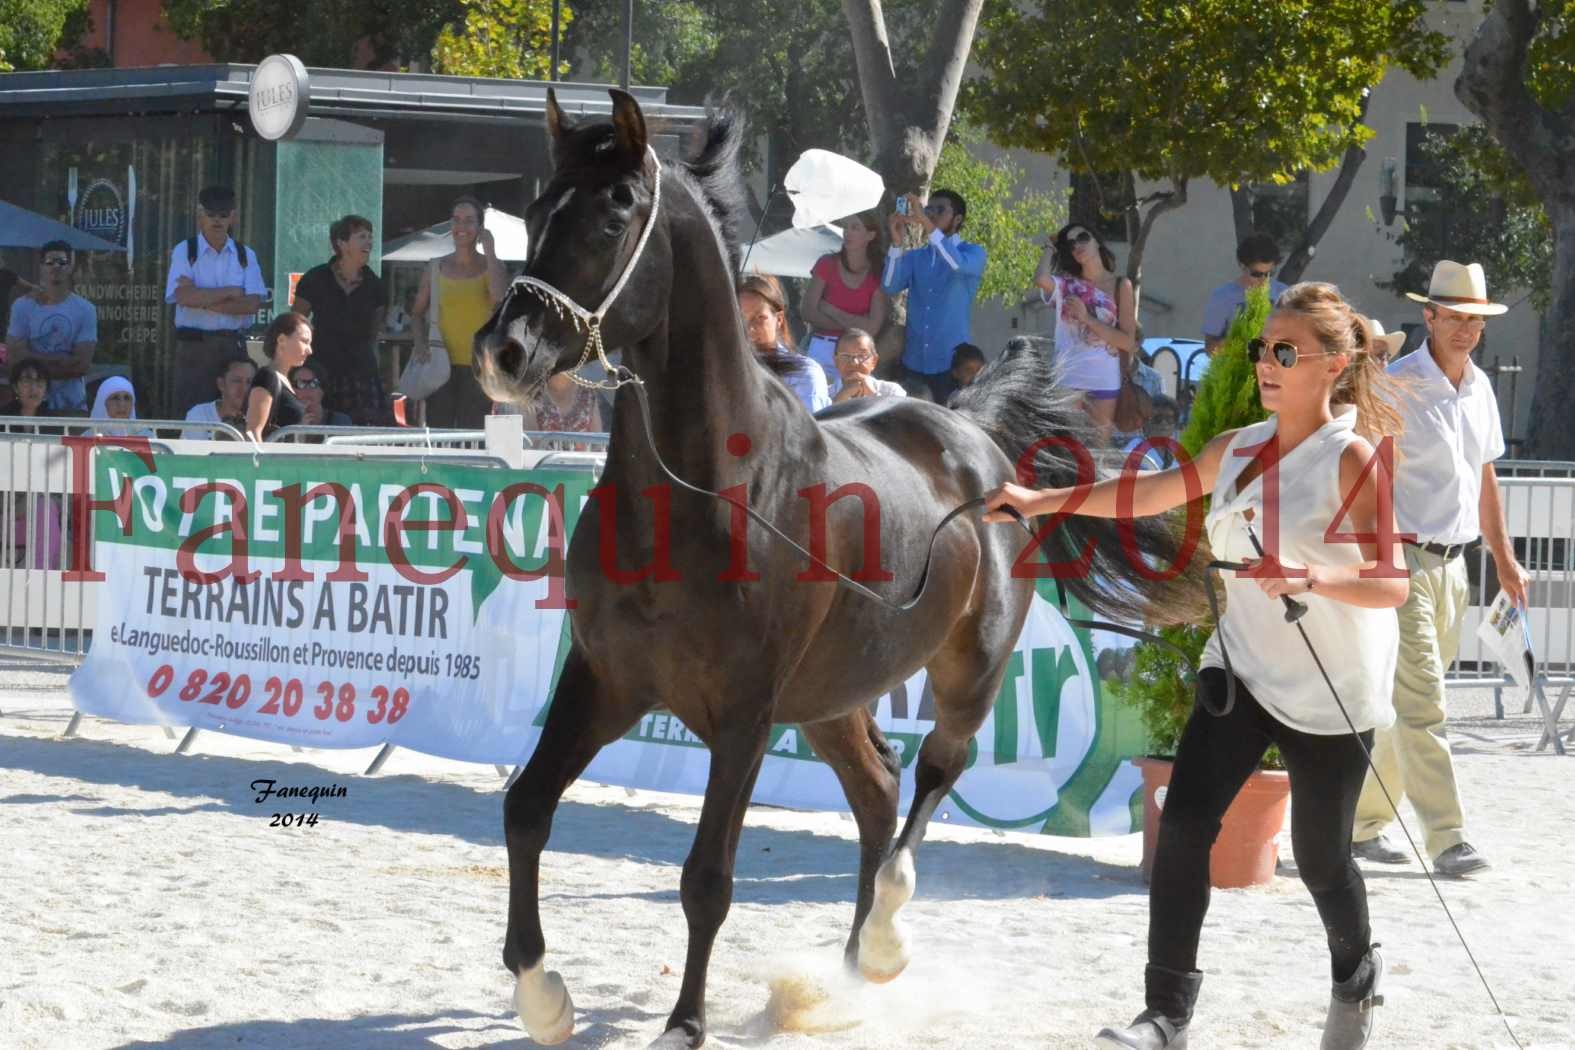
567,309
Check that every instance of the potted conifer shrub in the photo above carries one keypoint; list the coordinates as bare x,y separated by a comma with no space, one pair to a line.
1161,684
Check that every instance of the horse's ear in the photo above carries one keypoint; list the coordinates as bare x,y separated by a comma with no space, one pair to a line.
628,126
557,124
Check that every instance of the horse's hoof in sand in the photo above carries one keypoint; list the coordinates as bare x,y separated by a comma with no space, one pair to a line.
883,942
678,1039
545,1007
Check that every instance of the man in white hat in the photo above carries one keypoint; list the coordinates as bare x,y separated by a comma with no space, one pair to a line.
1385,344
1446,496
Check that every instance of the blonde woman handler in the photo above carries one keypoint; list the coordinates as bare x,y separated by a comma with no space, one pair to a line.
1317,376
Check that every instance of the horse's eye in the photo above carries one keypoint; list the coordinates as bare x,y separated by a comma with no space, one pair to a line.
615,228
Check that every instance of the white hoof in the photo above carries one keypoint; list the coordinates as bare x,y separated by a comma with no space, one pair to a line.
883,940
544,1005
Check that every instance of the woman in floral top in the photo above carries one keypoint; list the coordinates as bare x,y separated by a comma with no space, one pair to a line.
1096,318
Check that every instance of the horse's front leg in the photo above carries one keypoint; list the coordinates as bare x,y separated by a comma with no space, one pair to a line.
584,717
707,885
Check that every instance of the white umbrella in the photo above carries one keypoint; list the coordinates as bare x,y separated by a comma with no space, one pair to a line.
508,237
826,186
792,253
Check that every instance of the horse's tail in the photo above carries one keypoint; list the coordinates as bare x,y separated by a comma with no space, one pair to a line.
1017,401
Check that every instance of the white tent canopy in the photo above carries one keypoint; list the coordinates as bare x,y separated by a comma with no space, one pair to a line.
792,252
508,236
20,228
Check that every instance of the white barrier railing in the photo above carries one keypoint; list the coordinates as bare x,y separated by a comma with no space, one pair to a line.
44,617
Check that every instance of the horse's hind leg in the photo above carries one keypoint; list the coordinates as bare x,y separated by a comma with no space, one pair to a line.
965,688
584,717
870,772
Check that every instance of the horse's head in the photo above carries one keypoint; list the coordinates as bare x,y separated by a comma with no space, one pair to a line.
584,229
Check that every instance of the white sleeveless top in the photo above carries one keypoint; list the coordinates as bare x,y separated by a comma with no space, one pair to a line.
1358,646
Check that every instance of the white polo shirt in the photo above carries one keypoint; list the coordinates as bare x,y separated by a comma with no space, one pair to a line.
1449,435
221,269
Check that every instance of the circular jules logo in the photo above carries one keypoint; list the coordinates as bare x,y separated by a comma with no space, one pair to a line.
278,98
101,211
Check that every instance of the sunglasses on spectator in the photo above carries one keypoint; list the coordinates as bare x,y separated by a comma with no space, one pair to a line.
1285,354
309,384
57,261
1261,275
1080,237
855,359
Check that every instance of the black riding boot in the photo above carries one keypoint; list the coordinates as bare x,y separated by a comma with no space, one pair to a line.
1170,995
1350,1021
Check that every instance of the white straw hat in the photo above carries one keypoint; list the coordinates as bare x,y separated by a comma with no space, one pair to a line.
1459,287
1391,341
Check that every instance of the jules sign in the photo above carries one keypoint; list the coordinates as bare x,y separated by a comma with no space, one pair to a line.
279,95
101,211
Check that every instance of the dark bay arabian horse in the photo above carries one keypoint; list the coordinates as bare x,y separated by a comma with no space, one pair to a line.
732,635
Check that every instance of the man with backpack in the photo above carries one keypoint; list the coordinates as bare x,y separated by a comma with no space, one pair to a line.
216,285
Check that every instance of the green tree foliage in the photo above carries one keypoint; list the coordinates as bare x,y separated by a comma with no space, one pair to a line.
1230,90
788,65
500,38
32,31
1161,686
1008,219
1488,205
337,34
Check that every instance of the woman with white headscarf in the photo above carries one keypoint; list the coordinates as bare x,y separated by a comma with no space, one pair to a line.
117,399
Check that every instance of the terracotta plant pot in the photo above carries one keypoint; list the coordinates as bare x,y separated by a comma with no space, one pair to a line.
1249,842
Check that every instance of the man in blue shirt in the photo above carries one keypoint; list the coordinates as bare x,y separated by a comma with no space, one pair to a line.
1259,257
941,279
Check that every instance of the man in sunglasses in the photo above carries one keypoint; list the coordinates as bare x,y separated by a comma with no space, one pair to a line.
217,288
1259,257
1446,497
941,278
56,328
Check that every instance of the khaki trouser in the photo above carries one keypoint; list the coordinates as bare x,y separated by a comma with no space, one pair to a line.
1413,756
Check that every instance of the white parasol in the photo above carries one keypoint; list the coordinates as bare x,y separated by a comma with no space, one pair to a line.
826,186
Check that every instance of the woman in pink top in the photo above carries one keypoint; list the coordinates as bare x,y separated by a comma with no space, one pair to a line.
844,292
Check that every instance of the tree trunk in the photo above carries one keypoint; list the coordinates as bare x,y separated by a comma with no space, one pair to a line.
1350,164
1159,204
1550,433
908,116
1494,84
1241,211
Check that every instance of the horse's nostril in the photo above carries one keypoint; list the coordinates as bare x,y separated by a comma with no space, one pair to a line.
511,358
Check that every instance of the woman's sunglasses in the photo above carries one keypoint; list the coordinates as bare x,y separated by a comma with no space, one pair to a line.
1081,237
1285,354
309,384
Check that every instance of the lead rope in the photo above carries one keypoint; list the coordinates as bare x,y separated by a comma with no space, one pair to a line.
1294,610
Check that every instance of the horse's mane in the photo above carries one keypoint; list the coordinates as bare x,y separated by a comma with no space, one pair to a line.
712,172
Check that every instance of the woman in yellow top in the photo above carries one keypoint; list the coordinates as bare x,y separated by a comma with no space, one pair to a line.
470,284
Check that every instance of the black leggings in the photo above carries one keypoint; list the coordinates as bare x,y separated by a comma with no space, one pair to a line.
1214,760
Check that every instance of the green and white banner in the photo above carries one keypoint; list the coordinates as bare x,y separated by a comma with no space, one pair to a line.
329,602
